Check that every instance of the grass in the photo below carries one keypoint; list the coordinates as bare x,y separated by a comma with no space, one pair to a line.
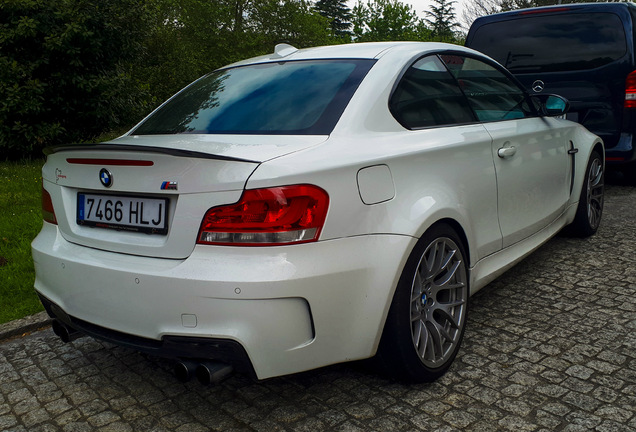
20,221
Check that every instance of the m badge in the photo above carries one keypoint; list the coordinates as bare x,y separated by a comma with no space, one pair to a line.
169,185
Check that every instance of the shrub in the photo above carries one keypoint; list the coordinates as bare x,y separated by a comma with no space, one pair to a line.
65,71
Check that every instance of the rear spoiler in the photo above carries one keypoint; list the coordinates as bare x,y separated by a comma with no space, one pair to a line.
138,148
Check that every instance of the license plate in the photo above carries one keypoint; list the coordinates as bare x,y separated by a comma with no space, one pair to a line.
141,214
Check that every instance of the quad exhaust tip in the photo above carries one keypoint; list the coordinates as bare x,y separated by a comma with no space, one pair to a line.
66,333
213,372
185,370
207,372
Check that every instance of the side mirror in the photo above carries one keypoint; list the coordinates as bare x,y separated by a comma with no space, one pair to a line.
551,105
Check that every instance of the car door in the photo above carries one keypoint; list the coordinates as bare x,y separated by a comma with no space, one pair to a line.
446,154
530,153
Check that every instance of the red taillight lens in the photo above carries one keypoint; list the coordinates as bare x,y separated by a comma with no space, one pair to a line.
546,10
48,213
630,90
265,217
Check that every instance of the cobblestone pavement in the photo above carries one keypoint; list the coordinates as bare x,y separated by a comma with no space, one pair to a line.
549,346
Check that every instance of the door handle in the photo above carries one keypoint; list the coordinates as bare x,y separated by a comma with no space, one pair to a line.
506,152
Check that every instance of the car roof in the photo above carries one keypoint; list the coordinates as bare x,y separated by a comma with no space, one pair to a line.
616,7
364,50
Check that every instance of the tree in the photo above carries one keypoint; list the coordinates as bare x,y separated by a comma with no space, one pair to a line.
441,19
385,20
477,8
71,70
339,16
65,70
193,37
291,21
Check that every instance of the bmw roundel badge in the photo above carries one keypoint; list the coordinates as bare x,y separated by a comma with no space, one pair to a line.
105,177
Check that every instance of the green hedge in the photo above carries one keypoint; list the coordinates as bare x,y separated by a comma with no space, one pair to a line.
65,71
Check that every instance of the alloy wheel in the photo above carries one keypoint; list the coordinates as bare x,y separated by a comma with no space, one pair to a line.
595,186
438,302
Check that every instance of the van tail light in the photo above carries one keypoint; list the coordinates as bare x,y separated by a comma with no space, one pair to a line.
630,90
265,217
48,213
546,10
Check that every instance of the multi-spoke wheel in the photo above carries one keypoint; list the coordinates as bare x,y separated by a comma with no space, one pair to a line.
590,209
426,321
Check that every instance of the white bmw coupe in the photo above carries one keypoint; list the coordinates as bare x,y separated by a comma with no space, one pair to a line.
311,207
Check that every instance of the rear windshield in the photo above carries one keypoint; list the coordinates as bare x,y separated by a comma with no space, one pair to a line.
293,97
547,43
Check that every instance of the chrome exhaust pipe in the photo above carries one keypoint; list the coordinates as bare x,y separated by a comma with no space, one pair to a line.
185,370
67,334
211,372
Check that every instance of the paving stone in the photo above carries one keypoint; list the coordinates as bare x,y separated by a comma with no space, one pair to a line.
35,417
547,420
7,421
459,419
47,392
77,427
46,427
58,406
580,372
513,423
123,427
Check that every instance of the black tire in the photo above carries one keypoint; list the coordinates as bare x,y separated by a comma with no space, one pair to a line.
426,321
590,208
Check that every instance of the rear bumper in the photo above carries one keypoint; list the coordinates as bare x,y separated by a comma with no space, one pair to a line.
623,152
176,347
278,310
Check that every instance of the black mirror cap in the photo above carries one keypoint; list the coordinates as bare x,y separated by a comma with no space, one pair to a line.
551,105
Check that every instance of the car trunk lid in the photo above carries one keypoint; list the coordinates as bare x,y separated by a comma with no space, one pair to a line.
147,195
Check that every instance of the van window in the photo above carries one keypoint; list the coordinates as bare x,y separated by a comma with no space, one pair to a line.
547,43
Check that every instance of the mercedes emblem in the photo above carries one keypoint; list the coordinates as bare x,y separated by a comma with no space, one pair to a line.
538,86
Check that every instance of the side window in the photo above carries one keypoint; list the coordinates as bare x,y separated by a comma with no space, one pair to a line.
428,95
491,94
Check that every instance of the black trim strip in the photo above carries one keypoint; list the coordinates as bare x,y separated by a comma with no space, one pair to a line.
573,151
169,347
148,149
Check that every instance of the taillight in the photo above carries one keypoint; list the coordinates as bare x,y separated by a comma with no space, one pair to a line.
48,213
630,90
265,217
546,10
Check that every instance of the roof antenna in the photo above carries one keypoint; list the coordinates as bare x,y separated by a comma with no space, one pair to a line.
283,50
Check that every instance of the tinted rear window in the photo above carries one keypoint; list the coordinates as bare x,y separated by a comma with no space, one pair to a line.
293,97
546,43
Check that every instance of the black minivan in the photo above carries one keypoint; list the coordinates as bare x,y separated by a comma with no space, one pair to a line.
584,52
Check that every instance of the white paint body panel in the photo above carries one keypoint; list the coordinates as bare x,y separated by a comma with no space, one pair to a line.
299,307
533,186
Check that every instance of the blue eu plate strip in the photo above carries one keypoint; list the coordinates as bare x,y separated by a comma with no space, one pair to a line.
80,207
